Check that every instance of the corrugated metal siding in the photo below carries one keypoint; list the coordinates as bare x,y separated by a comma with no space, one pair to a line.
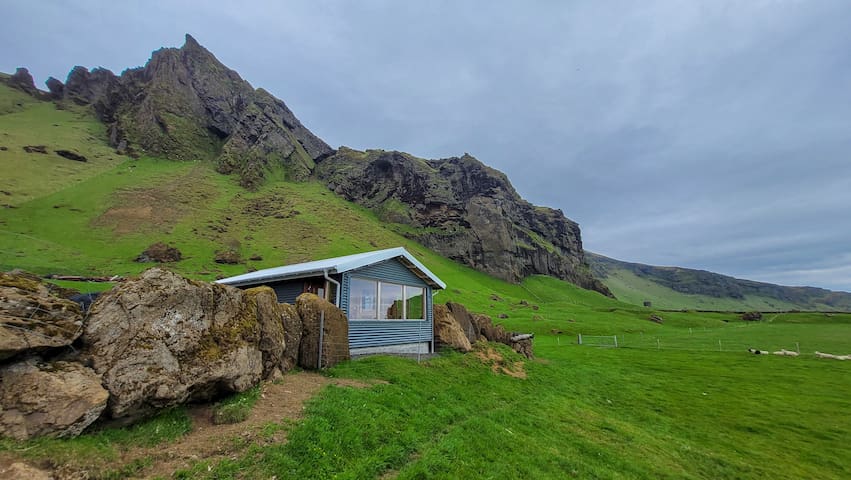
373,333
288,291
344,293
390,271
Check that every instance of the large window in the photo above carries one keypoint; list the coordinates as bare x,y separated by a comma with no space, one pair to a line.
371,299
363,295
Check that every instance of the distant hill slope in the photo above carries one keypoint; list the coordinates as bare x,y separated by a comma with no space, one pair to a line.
683,288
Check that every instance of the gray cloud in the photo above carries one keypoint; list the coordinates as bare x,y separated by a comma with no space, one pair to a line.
709,135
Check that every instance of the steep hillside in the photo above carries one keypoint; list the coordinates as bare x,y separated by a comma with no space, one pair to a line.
678,288
186,105
464,210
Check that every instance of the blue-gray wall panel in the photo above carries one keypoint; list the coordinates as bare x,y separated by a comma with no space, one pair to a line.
288,291
373,333
390,271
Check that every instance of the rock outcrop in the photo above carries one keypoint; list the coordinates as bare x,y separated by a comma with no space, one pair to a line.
293,329
153,342
163,340
22,80
465,321
315,311
57,399
448,331
186,105
33,320
159,252
456,328
262,303
55,87
464,210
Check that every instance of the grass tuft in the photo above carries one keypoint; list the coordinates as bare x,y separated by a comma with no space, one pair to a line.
236,408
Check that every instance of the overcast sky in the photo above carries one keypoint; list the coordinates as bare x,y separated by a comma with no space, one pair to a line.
711,135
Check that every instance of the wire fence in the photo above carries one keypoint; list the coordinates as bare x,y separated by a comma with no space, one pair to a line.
698,339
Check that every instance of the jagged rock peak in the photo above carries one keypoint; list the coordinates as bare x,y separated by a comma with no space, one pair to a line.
184,104
190,43
464,210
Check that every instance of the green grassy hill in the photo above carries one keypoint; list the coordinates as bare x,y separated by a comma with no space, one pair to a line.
681,399
684,288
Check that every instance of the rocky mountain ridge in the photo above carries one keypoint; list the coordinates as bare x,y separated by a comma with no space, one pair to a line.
464,210
186,105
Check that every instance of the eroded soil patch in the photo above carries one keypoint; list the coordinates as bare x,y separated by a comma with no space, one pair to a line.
160,207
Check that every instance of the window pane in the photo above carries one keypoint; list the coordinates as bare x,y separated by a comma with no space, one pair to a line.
362,299
391,301
414,303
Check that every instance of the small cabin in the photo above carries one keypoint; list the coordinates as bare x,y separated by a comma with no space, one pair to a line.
385,294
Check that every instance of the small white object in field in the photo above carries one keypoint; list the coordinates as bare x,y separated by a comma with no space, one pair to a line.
835,357
787,353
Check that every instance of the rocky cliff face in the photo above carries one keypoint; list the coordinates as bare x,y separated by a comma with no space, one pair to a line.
185,105
464,210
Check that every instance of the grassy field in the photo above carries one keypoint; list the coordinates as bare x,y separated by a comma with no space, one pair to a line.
672,403
685,411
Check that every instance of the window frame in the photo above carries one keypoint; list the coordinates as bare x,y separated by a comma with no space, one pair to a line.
377,307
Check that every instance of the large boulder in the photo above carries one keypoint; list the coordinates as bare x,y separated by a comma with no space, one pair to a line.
56,399
447,330
465,320
262,303
163,340
489,331
315,311
32,319
292,335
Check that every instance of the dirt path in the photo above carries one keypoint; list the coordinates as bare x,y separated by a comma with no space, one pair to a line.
278,402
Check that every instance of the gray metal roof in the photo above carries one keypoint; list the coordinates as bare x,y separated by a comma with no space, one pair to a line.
336,265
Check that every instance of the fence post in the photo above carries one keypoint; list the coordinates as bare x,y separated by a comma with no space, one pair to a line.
658,344
798,347
558,341
616,341
321,337
719,345
580,339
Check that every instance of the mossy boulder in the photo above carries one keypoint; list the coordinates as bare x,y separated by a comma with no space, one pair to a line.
163,340
32,319
57,399
447,330
315,312
293,329
261,304
465,320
